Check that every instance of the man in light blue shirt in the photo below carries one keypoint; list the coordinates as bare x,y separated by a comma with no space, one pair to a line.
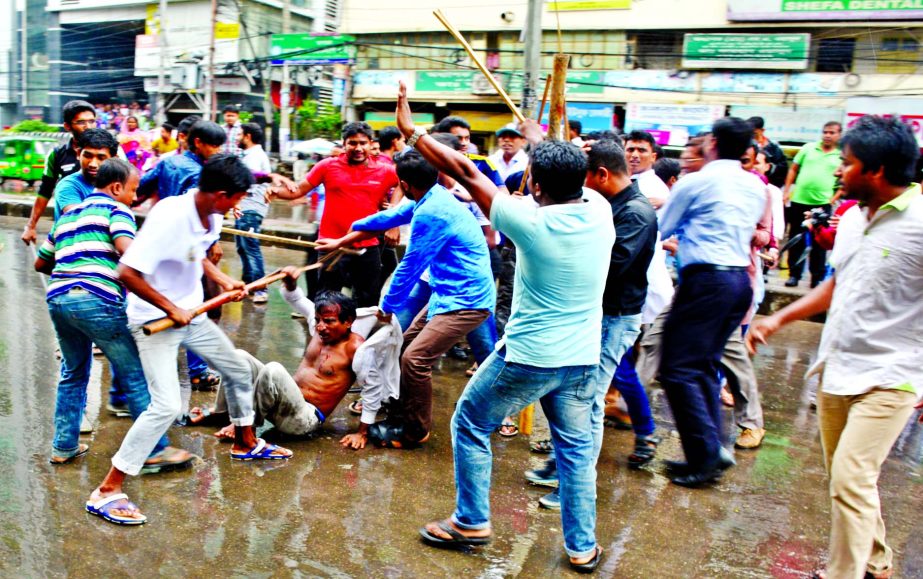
552,342
446,239
714,212
95,146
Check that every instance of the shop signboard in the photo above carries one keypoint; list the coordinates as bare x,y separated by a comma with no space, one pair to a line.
910,110
306,49
584,5
746,51
813,10
671,124
592,116
790,124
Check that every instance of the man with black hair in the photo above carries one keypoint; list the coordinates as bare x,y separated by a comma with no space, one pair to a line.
667,170
869,355
95,146
87,306
626,288
232,128
178,174
778,162
714,213
165,143
510,157
446,240
298,405
552,341
574,130
162,269
641,152
60,161
390,142
356,186
810,185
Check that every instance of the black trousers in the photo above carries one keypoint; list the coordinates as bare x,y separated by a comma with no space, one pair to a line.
817,258
708,306
362,273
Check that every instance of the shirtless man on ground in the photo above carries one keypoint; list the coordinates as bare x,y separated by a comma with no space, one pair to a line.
299,405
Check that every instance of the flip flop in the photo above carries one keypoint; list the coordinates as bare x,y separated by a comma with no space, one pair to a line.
104,506
457,541
82,449
262,451
508,430
590,565
355,407
167,464
544,446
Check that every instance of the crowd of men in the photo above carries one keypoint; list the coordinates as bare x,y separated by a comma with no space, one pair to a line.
551,259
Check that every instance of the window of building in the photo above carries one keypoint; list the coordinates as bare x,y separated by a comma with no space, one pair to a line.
835,54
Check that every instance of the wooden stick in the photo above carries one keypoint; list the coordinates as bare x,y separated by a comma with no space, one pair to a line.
558,85
527,419
538,119
280,240
490,78
221,299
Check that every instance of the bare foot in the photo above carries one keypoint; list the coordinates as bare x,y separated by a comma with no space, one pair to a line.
226,433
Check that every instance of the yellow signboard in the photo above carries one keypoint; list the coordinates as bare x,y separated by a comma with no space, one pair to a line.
577,5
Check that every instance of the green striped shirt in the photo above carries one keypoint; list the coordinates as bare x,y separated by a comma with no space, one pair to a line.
82,245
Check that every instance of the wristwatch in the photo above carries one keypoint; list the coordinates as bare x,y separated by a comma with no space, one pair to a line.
417,133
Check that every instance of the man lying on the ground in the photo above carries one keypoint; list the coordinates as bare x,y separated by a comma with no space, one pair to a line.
335,357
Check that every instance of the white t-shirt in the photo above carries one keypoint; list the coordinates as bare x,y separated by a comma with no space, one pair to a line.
168,250
518,163
659,282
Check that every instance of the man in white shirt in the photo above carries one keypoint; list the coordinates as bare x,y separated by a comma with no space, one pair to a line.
641,155
510,158
163,269
869,354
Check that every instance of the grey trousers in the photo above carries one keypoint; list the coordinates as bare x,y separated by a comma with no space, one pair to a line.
276,398
736,364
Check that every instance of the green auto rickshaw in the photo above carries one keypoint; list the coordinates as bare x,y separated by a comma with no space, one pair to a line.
23,157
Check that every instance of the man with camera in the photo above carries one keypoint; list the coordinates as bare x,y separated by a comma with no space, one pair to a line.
810,185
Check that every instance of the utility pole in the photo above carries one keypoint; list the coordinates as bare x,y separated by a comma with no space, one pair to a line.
284,89
211,94
24,58
161,75
533,57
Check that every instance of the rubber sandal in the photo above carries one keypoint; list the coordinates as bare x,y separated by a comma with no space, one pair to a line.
590,565
355,407
458,541
207,381
167,464
508,430
544,446
645,449
82,449
262,451
104,507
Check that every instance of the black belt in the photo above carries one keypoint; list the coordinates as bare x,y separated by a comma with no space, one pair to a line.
698,267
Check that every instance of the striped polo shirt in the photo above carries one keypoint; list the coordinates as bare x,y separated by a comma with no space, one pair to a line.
81,243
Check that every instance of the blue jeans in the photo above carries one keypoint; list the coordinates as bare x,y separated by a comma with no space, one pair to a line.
629,386
500,389
80,320
618,335
251,256
483,340
416,301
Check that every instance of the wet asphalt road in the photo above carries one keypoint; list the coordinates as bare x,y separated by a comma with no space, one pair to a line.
332,512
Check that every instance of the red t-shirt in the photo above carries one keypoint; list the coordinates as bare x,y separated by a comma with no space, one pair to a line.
353,192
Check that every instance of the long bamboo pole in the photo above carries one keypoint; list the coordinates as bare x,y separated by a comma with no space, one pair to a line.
280,240
558,86
477,61
538,119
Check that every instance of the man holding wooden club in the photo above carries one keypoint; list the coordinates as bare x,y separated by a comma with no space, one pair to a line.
163,269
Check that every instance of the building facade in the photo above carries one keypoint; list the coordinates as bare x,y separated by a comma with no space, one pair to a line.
671,66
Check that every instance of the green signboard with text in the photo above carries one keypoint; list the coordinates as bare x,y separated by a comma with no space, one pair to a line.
812,10
470,81
312,49
746,51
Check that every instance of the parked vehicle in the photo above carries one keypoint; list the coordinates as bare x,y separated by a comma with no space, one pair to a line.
23,157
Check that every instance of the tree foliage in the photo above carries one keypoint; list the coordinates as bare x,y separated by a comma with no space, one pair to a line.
314,120
33,126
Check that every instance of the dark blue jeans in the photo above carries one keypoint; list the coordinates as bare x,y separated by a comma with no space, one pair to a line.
629,385
80,320
709,305
251,256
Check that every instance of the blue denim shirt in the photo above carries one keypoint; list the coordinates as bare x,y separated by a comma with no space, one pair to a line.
444,237
173,176
714,213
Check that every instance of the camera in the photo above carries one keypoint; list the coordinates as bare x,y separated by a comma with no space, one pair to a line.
820,217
